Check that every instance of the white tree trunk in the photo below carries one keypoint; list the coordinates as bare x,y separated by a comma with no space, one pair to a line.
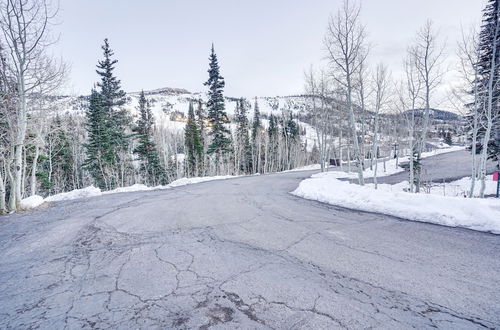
34,170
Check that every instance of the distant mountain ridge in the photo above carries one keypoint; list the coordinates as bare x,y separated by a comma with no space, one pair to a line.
169,99
436,114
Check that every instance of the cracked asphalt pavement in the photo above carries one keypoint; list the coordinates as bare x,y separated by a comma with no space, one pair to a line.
240,253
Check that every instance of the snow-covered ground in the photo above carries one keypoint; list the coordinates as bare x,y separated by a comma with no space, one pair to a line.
442,150
452,209
91,191
457,188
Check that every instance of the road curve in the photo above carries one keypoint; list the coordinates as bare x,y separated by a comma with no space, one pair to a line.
240,253
445,167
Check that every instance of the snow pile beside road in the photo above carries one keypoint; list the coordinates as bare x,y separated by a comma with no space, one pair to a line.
390,168
86,192
458,188
305,168
91,191
442,151
476,214
31,202
132,188
186,181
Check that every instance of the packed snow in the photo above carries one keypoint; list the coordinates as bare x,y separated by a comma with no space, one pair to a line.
305,168
476,214
31,202
91,191
458,188
443,149
86,192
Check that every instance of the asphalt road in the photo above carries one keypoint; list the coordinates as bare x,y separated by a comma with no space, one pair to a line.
240,253
445,167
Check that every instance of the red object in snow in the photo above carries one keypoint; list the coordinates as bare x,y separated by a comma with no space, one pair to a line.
495,176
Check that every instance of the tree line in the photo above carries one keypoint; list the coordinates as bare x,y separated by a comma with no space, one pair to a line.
46,152
357,109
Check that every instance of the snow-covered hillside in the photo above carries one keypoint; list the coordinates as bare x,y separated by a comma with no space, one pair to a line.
169,102
170,107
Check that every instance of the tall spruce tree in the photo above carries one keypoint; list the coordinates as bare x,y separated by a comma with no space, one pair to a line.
200,120
220,142
256,139
273,138
97,141
193,145
242,138
116,139
150,166
256,124
290,134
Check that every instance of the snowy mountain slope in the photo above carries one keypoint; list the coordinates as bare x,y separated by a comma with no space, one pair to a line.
172,100
170,108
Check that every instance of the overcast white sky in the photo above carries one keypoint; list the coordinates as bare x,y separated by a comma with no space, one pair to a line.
263,46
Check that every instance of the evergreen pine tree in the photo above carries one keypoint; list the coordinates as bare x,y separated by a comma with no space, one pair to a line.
447,138
256,138
256,124
242,138
97,138
486,44
273,138
193,144
290,133
115,138
220,142
150,165
200,120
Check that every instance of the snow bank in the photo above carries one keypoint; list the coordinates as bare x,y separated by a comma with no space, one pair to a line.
31,202
476,214
74,194
186,181
458,188
132,188
305,168
92,191
442,151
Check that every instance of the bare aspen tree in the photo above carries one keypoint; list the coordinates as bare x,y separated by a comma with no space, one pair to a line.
426,55
468,53
381,89
24,25
345,43
362,95
38,127
317,88
6,93
409,95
